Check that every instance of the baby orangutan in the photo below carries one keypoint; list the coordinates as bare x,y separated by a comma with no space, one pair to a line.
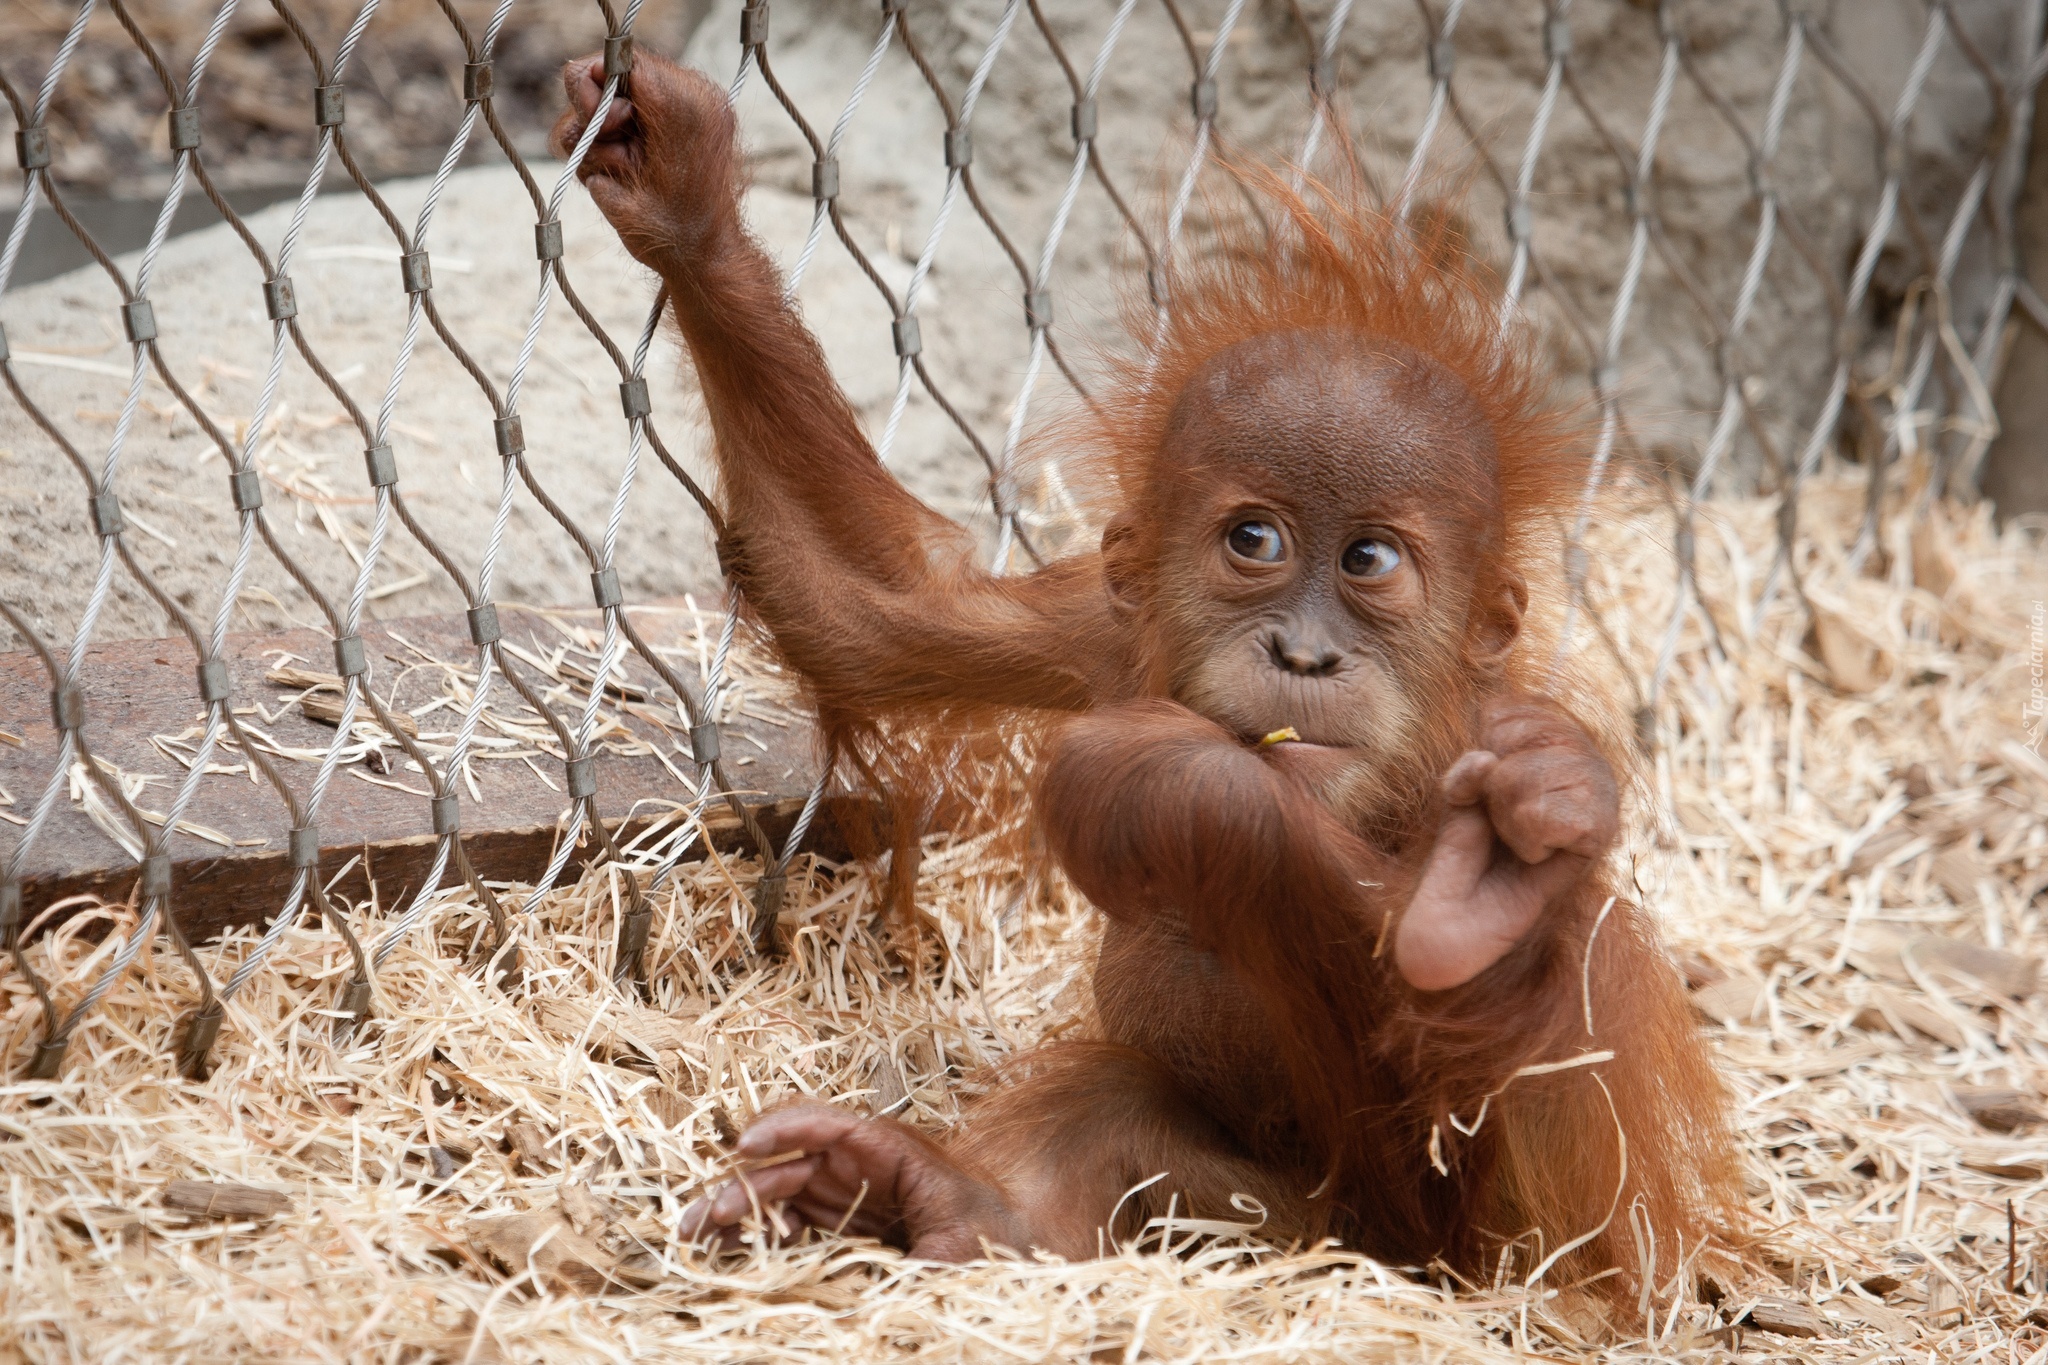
1365,971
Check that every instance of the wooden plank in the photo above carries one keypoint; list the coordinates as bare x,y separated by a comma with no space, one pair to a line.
136,689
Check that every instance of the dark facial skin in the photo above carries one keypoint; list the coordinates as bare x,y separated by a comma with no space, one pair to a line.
1318,566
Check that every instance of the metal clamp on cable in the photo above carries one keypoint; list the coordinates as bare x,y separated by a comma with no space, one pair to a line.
49,1059
484,629
32,147
280,301
511,435
139,320
604,586
618,56
355,1004
245,486
202,1030
184,129
768,894
633,398
825,179
156,877
415,272
1443,59
503,969
213,681
382,464
704,743
1322,76
67,707
904,332
959,149
1202,99
1519,222
106,515
478,82
1760,182
1893,157
582,778
547,240
447,815
1081,119
349,659
633,932
302,846
1557,38
3,343
1576,564
1038,309
754,26
10,911
329,109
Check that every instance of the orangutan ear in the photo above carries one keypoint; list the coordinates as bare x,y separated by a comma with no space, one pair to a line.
1497,622
1123,567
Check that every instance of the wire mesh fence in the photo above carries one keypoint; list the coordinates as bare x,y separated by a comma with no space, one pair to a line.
1798,319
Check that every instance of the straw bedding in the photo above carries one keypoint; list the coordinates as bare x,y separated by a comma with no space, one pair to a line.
1842,828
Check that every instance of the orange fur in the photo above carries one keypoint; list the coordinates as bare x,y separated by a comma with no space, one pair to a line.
1263,1036
1326,261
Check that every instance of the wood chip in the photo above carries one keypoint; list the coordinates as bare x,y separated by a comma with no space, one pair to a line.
549,1246
1894,1324
2006,973
2025,1172
616,685
1786,1319
529,1146
1879,847
288,675
673,1110
1908,1016
583,1209
1956,870
1734,1000
1997,1108
229,1203
891,1094
612,1029
1933,553
1854,664
319,706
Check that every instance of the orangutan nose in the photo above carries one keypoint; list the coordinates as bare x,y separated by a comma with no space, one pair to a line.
1303,651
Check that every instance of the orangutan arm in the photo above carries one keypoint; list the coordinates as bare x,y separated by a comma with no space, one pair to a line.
874,597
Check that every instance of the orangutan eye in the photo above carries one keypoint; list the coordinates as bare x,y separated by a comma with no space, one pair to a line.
1371,559
1257,541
